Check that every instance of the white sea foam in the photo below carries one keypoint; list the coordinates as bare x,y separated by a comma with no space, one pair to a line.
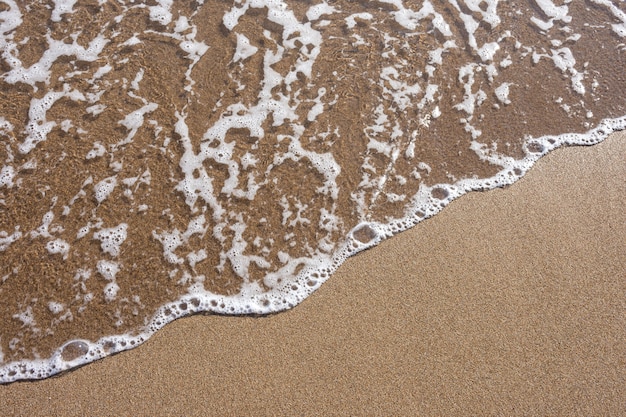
6,239
107,269
111,239
221,179
55,308
104,188
58,246
244,49
61,7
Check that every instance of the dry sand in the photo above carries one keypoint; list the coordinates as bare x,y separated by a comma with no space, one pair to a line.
508,302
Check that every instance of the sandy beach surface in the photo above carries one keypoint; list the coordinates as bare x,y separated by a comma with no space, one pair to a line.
509,302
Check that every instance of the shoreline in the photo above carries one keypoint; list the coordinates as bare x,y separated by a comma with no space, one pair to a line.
508,301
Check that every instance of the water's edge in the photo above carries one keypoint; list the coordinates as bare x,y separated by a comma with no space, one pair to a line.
426,204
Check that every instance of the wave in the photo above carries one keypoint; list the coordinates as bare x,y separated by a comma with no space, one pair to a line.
168,159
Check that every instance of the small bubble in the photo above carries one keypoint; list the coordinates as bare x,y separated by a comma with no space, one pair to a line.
74,350
364,234
535,147
439,193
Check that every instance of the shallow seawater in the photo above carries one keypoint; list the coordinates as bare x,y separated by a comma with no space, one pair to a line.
162,158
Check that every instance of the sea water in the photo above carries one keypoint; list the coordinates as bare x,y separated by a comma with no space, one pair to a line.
164,158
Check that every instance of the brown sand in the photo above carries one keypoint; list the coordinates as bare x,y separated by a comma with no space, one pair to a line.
280,204
508,302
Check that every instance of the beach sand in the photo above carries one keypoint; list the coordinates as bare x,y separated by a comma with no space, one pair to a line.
508,302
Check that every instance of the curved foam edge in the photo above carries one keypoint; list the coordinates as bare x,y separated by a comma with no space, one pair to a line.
252,301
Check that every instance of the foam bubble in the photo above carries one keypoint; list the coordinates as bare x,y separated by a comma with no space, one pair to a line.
502,93
74,350
62,7
244,49
55,308
104,188
97,151
107,269
111,239
318,10
7,174
7,239
364,233
110,291
26,317
162,12
58,246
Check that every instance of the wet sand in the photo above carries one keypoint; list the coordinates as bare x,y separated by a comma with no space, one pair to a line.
508,302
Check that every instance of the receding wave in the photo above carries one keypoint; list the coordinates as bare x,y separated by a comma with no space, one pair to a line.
164,158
